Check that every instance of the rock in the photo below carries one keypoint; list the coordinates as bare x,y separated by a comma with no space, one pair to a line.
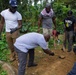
61,56
8,68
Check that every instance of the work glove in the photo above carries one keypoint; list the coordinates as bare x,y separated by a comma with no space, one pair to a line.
13,30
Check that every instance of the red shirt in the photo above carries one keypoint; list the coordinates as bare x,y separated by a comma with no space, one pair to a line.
54,33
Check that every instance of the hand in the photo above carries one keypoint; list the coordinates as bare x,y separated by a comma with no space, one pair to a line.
52,54
13,30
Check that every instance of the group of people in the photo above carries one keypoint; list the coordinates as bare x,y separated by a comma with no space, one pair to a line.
24,45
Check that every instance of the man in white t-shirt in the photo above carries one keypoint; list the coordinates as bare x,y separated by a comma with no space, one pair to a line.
26,44
13,22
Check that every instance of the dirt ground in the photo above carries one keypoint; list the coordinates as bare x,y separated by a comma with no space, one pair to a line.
51,65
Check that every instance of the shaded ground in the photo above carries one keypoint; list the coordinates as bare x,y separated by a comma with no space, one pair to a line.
51,65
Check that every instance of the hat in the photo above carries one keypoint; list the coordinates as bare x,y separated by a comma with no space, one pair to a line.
48,5
13,3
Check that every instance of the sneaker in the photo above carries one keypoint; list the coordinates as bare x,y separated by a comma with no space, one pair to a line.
32,65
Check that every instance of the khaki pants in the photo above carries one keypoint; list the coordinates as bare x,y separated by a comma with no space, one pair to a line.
10,38
47,31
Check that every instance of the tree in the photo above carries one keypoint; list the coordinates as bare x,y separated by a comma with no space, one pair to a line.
4,4
71,3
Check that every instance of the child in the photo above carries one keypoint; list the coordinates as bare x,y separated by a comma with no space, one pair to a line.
55,34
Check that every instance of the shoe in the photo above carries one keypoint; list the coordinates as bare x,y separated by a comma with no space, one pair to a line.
32,65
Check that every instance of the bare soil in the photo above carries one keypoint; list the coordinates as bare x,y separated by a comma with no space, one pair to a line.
51,65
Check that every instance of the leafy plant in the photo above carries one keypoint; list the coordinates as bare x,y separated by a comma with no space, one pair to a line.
3,48
2,72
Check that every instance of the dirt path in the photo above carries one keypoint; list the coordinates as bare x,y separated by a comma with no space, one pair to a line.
51,65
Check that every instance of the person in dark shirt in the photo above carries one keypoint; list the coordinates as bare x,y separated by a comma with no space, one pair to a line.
69,23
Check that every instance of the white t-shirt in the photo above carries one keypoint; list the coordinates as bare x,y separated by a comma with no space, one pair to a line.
11,19
29,41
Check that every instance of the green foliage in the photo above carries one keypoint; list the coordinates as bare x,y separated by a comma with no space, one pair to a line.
3,48
2,72
50,43
60,10
71,3
25,27
59,26
3,4
30,18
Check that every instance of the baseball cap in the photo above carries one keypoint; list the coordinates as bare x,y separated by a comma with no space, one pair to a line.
48,5
13,3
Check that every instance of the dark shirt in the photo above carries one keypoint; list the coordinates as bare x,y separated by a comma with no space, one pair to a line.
69,23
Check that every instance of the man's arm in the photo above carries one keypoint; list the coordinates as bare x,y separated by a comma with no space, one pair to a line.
54,21
19,24
47,51
2,24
